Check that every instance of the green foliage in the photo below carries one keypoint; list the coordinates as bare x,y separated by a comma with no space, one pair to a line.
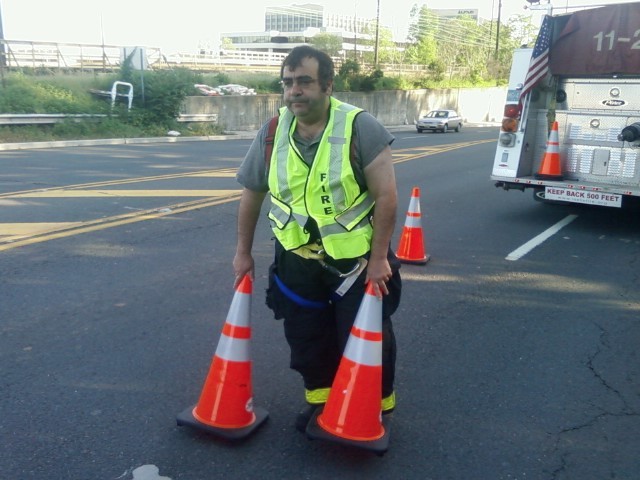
153,113
463,46
390,83
19,98
222,79
386,49
437,69
227,44
341,84
29,94
264,85
349,68
203,129
274,86
371,82
161,94
69,130
349,79
164,93
328,43
216,79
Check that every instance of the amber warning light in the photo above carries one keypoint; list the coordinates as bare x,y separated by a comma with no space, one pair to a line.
511,115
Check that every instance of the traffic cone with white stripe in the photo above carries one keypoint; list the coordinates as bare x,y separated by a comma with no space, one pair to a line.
226,406
411,247
551,168
352,415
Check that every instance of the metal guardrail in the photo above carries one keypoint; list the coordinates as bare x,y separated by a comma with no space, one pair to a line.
49,55
18,54
48,118
198,117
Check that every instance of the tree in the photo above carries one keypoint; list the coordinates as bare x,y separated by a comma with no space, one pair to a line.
522,31
422,23
422,30
467,46
227,44
464,47
349,68
387,50
423,52
328,43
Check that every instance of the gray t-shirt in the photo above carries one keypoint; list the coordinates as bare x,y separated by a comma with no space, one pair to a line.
370,137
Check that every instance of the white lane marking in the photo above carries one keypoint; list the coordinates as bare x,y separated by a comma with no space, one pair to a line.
534,242
148,472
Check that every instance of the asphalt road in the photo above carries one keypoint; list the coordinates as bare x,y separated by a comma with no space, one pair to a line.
115,280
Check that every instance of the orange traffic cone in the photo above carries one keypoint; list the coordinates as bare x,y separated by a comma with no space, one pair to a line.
352,414
226,407
550,168
411,246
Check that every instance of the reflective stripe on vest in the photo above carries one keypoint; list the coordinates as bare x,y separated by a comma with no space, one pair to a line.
327,191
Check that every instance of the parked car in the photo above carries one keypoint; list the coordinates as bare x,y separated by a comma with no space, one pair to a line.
440,120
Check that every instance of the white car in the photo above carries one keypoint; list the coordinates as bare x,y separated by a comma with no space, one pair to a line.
440,120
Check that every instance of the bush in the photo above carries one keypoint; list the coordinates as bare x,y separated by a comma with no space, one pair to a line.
23,94
162,93
158,98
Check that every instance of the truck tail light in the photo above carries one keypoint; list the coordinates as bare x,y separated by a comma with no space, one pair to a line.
512,110
509,125
511,116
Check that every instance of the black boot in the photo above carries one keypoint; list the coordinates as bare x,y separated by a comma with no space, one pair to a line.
302,419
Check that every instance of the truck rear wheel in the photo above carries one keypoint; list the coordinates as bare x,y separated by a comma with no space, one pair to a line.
538,196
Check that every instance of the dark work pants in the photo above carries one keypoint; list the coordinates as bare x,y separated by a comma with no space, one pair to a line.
317,336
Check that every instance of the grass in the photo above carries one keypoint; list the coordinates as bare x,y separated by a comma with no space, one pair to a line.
39,93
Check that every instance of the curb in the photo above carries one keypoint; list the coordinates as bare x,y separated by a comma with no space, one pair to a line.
238,135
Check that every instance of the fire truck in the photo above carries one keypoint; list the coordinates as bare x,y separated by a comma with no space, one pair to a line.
588,68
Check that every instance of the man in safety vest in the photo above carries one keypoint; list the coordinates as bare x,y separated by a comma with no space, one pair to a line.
333,210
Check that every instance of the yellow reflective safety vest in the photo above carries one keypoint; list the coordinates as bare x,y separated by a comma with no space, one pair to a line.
326,191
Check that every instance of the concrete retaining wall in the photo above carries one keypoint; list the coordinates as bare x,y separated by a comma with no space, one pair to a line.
390,107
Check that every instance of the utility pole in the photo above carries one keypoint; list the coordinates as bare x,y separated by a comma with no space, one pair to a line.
375,57
104,53
355,31
498,28
3,55
493,8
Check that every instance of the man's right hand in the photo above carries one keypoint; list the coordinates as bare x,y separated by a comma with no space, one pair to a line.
248,211
243,264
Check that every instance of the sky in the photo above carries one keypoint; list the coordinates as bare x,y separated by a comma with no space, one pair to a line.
186,25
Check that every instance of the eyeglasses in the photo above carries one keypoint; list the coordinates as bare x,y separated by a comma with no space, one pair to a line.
302,82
